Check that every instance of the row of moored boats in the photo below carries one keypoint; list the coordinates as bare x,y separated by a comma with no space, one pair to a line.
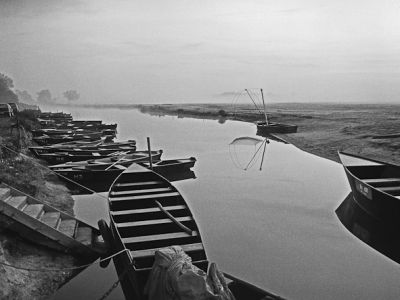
150,221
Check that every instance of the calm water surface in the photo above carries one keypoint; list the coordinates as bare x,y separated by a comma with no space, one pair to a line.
275,228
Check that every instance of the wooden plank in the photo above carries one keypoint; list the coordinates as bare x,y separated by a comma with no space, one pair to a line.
146,210
152,222
4,193
121,167
141,191
155,237
151,252
17,202
137,183
33,210
84,235
50,218
379,180
139,197
67,226
390,189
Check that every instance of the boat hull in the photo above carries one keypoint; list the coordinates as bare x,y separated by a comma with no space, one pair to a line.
101,180
264,128
376,202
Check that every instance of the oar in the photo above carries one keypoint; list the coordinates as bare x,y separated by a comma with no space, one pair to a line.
109,167
126,160
180,225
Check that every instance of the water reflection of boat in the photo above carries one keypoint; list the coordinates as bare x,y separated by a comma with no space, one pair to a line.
370,230
372,211
245,151
148,213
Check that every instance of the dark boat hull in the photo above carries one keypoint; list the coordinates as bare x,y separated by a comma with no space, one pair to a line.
375,201
101,180
263,128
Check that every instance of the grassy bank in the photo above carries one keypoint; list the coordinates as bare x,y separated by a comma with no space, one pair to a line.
21,171
323,129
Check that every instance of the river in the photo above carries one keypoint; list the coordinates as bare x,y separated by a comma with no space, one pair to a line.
275,227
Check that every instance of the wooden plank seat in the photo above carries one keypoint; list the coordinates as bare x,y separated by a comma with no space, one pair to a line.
141,191
150,252
120,167
137,183
18,202
390,189
139,197
67,226
163,236
380,180
152,222
50,218
146,210
4,193
33,210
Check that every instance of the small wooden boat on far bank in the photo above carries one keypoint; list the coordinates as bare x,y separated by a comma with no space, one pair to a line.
266,127
148,213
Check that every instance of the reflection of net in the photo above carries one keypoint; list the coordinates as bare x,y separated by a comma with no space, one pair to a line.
247,141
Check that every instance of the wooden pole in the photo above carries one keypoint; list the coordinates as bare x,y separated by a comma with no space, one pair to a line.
150,158
265,112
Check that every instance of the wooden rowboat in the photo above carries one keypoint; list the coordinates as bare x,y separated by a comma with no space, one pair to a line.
99,177
73,156
375,186
148,213
269,128
100,145
100,163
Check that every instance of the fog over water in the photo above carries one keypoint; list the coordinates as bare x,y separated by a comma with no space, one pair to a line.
194,51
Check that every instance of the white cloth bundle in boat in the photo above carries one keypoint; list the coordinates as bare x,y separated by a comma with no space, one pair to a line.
174,277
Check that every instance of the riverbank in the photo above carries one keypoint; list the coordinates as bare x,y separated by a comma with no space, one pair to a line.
27,175
323,129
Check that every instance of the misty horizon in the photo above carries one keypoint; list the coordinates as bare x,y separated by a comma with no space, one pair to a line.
176,51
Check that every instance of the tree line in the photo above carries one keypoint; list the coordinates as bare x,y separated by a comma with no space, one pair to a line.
9,94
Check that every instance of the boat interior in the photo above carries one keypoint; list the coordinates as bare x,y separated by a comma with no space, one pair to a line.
149,214
382,177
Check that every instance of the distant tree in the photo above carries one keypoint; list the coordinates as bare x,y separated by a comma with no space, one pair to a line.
24,96
222,113
6,93
44,96
71,95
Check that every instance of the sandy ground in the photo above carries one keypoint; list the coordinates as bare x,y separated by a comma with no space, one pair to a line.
323,129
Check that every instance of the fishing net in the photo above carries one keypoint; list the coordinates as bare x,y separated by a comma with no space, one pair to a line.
174,277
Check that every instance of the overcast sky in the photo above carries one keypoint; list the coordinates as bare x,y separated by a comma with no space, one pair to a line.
125,51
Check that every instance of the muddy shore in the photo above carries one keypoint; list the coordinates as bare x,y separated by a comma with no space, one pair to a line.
26,174
323,129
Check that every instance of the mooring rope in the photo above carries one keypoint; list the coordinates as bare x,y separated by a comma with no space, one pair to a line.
63,269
